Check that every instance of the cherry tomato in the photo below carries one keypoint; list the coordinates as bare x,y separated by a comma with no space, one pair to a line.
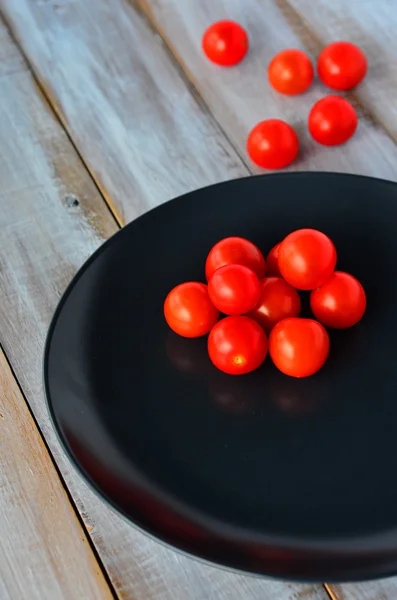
235,250
332,121
234,289
340,302
299,347
272,144
278,301
189,311
290,72
237,345
341,65
225,43
272,262
307,259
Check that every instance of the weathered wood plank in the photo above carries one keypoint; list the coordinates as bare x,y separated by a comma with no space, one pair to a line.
143,134
371,25
241,96
45,238
44,551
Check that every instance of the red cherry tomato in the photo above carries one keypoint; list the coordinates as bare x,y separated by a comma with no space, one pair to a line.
238,251
306,259
189,311
272,262
272,144
237,345
340,302
225,43
234,289
290,72
299,347
332,121
278,301
341,65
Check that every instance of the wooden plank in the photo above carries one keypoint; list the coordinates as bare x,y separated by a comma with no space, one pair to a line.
144,135
44,552
241,96
372,26
45,238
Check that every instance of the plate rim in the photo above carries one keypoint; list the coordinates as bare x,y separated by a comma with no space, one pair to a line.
263,574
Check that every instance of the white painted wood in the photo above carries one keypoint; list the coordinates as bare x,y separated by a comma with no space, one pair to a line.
44,239
241,96
44,551
141,131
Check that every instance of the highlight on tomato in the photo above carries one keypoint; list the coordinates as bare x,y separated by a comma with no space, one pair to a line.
237,345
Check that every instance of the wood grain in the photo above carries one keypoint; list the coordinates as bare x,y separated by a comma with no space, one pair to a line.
144,135
44,552
241,96
51,218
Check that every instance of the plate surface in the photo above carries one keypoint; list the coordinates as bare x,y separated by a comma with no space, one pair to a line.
261,473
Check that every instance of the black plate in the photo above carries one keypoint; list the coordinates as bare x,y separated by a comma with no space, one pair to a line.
261,473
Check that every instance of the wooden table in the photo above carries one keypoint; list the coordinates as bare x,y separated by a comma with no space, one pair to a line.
108,108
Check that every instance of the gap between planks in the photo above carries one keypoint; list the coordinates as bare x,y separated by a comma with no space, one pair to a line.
61,479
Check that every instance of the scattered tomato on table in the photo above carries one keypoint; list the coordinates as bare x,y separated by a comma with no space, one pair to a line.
341,65
225,43
272,144
332,121
290,72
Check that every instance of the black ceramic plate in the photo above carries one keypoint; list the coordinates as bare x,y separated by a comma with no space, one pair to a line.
261,473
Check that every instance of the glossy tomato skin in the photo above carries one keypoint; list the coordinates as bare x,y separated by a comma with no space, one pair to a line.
341,65
332,121
290,72
189,311
237,345
278,301
340,302
272,262
299,347
272,144
235,250
234,289
307,259
225,43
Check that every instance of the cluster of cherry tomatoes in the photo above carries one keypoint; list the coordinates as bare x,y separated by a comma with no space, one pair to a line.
259,298
273,143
